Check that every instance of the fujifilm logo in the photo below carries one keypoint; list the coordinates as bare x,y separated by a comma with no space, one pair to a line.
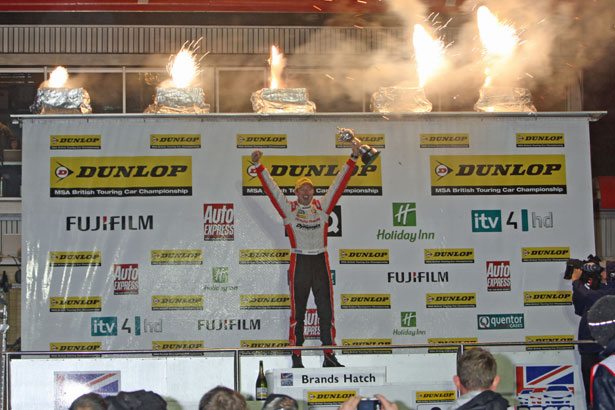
417,277
110,223
486,221
404,213
229,324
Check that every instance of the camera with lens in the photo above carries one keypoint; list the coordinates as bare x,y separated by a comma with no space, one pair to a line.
369,403
590,270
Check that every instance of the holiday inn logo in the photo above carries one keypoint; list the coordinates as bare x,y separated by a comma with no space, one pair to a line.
408,326
408,319
404,213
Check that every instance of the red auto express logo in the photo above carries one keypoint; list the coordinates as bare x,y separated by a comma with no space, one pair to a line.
126,280
218,222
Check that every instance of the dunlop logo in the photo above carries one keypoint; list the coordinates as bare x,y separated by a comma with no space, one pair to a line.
87,258
75,304
249,344
445,141
178,345
539,140
336,397
367,342
497,174
546,254
253,302
555,298
321,169
161,141
374,140
177,302
364,256
261,141
452,340
75,347
551,338
264,256
366,301
457,255
120,176
450,300
177,257
74,142
435,396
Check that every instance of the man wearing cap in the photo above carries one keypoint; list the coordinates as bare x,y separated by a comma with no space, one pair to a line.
306,222
601,321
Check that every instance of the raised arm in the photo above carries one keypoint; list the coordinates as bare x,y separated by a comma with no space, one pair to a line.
273,191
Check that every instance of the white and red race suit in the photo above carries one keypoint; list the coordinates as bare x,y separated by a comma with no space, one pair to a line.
309,261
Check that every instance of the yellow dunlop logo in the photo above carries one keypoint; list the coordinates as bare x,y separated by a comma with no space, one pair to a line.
74,142
75,304
252,302
161,141
497,174
178,345
435,396
550,338
261,141
539,140
332,397
450,300
366,301
120,176
546,254
445,141
321,169
86,258
177,302
177,257
448,349
374,140
364,256
555,298
247,344
367,342
75,347
453,255
267,256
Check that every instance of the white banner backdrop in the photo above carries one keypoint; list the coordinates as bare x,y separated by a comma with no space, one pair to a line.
150,232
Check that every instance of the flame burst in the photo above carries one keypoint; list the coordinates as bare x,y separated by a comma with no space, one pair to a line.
429,54
499,41
58,77
184,66
277,62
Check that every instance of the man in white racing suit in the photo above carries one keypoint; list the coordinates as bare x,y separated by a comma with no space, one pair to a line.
306,222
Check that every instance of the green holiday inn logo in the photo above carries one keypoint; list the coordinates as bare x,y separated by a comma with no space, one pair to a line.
404,213
219,274
408,319
408,326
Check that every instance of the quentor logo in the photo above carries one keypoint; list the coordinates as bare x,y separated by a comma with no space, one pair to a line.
448,340
74,142
367,342
85,258
261,141
177,257
321,169
374,140
161,141
545,254
219,222
497,174
177,302
120,176
364,256
498,276
450,300
75,347
531,140
264,256
445,140
501,321
75,304
250,302
452,255
551,339
441,396
555,298
366,301
329,398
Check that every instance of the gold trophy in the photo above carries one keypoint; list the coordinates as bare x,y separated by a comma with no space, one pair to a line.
368,154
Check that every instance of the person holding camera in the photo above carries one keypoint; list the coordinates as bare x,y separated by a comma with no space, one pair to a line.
590,282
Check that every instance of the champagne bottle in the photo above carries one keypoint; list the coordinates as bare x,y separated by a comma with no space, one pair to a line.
261,383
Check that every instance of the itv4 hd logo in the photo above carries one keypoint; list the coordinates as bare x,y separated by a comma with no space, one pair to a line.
490,220
404,214
104,326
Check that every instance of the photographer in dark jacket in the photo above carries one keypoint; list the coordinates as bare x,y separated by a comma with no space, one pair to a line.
589,283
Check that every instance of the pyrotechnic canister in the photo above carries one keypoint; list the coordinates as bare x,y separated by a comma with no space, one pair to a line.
61,101
179,101
504,99
400,99
282,100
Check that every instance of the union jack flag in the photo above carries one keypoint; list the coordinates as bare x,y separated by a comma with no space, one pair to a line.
539,378
70,385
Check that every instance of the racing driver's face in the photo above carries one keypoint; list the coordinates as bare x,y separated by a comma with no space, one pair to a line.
305,193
